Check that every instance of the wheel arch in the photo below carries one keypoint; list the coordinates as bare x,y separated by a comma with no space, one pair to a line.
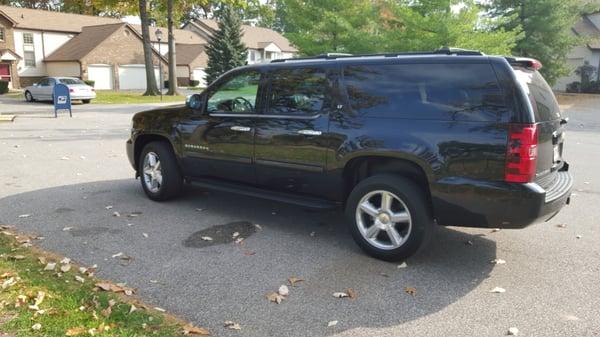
144,139
362,167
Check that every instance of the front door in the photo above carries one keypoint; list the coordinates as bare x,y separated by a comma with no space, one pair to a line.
5,72
291,137
220,141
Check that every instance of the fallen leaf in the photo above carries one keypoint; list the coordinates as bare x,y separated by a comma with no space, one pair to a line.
340,294
9,282
16,257
117,214
275,298
561,225
36,327
332,323
119,254
312,234
498,261
402,265
79,279
468,243
283,290
495,230
258,226
159,309
411,291
42,260
232,325
351,293
239,240
65,158
293,280
24,216
578,237
206,238
65,268
65,260
199,209
132,309
498,290
235,235
66,229
189,329
50,266
108,207
513,331
39,298
145,235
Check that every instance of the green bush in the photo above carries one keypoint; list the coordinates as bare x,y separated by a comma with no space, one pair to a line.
3,87
194,83
91,83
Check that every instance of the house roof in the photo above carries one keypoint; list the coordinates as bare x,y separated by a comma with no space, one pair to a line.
4,52
585,28
187,53
89,38
254,37
181,36
39,19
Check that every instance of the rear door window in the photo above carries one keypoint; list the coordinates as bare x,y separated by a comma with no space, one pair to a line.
541,97
425,91
298,91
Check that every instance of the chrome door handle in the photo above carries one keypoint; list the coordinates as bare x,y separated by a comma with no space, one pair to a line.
310,132
241,128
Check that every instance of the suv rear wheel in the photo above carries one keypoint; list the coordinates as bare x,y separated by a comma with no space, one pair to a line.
159,173
389,217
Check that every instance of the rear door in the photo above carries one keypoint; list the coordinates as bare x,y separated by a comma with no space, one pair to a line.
292,135
548,119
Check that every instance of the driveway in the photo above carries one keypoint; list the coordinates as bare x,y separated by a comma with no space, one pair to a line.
66,172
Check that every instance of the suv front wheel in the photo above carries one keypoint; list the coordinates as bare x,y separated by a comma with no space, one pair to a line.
389,217
159,172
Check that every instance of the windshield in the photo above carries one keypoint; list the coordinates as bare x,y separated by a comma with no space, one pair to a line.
545,106
71,81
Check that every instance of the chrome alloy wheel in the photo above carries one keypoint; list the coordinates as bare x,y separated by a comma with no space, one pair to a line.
152,172
383,220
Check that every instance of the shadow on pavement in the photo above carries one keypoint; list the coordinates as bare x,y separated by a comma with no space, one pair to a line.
209,284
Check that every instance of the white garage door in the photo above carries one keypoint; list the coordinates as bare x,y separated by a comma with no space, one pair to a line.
101,74
199,74
133,77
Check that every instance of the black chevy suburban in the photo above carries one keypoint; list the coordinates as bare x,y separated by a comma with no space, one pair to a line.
401,141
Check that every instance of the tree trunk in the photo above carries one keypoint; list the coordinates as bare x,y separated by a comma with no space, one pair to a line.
151,89
172,60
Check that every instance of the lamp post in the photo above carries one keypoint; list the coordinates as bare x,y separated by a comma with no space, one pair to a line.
158,34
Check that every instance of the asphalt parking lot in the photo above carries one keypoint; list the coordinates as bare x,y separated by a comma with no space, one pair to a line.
67,172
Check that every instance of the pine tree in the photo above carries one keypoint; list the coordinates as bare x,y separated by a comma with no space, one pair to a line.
225,49
546,26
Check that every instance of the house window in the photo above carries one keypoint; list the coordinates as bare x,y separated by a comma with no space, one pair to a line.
27,38
29,57
1,34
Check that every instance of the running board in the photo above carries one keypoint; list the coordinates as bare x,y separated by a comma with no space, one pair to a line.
289,198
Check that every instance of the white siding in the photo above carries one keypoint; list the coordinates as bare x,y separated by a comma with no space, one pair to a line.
164,47
41,48
71,69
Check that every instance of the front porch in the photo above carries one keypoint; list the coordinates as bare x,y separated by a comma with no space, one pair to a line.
8,68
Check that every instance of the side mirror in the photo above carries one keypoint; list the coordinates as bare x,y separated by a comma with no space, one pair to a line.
194,101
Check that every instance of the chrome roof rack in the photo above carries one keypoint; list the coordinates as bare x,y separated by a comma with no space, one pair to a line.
335,56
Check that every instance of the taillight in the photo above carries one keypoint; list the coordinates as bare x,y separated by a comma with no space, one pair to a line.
92,89
71,90
521,153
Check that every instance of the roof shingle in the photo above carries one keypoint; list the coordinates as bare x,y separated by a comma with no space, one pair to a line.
40,19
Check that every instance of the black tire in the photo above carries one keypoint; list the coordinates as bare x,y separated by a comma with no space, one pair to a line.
416,203
29,97
85,101
172,180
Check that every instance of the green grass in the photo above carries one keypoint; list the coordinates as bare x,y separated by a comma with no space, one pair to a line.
127,97
14,94
64,299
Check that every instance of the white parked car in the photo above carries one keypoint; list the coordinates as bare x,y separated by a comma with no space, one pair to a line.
42,91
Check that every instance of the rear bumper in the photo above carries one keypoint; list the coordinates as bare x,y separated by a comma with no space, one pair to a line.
82,96
472,203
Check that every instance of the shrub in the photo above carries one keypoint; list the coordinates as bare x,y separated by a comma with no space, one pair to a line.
194,83
3,87
89,82
574,87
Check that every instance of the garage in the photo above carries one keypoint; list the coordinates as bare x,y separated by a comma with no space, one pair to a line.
133,77
199,74
101,74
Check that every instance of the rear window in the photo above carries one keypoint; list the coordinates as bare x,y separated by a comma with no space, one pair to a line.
425,91
545,106
70,81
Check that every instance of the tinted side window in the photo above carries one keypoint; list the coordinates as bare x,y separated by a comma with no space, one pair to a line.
236,95
425,91
545,106
300,91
